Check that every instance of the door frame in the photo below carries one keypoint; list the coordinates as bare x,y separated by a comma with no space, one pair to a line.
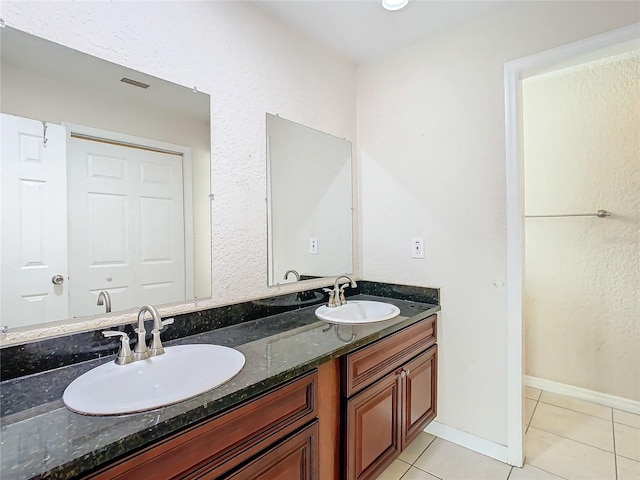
187,183
514,72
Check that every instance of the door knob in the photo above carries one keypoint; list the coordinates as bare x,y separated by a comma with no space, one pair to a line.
57,279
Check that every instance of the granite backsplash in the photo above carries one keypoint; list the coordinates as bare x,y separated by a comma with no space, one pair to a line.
44,355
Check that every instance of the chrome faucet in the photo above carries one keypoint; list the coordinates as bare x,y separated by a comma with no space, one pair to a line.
297,275
141,352
104,299
336,296
155,346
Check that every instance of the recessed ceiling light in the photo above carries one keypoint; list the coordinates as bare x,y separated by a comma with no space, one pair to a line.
393,5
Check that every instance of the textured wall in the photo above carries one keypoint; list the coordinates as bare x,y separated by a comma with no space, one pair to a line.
431,144
582,282
250,64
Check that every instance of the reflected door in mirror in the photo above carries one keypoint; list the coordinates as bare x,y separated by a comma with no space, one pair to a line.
126,226
34,222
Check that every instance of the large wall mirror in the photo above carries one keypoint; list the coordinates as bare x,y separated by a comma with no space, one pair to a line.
309,202
105,182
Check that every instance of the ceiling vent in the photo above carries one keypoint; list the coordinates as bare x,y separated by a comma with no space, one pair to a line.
134,83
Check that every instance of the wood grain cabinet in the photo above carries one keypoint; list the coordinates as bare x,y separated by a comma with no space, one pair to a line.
389,396
263,435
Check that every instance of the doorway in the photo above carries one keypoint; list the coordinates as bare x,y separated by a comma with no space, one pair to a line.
581,149
515,72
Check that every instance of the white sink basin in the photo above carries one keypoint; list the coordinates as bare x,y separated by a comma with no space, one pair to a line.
183,372
358,311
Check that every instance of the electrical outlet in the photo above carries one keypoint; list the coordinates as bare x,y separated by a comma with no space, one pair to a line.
313,246
417,247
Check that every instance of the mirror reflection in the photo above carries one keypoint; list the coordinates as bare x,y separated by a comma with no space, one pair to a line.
309,203
105,177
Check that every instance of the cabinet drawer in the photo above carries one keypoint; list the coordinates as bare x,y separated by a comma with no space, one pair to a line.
219,444
365,366
295,458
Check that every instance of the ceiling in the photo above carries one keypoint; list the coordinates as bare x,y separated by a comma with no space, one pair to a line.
363,31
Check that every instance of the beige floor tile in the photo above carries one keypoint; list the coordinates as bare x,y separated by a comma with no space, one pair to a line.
576,404
627,469
567,458
529,407
577,426
395,471
415,448
626,418
628,441
529,472
532,393
452,462
416,474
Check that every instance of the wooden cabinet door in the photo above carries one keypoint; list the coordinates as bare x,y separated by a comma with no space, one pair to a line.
295,458
419,394
373,429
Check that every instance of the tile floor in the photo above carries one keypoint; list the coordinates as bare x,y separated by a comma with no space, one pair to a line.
565,438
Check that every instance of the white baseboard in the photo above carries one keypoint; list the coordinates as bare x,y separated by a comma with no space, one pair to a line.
620,403
467,440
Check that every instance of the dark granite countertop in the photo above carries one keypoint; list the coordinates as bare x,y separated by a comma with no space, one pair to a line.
40,438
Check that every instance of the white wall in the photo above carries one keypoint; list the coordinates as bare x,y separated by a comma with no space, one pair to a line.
431,143
582,275
250,64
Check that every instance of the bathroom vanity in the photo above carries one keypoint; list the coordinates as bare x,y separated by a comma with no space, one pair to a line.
389,396
389,393
314,401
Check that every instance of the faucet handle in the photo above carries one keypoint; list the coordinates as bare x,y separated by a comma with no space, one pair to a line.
342,300
168,321
124,354
332,299
163,323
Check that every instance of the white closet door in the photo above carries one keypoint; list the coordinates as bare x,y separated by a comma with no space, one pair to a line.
34,222
126,227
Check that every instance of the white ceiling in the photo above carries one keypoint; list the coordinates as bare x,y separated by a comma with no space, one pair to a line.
362,30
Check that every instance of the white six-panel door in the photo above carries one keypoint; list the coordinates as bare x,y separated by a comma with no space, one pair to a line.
34,222
126,226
